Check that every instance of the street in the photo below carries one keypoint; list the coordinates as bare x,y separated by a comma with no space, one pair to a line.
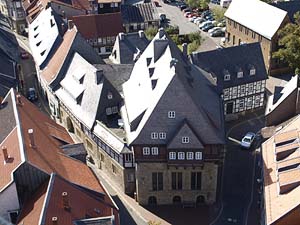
241,170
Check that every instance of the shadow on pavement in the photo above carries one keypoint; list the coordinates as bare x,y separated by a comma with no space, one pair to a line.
125,217
177,215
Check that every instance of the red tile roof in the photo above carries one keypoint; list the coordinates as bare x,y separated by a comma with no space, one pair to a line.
100,25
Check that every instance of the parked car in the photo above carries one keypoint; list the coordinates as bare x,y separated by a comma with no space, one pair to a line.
187,14
31,94
204,23
217,33
213,29
209,17
248,140
182,7
198,20
24,55
207,27
186,10
191,19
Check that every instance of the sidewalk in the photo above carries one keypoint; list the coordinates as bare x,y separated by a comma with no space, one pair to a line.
140,215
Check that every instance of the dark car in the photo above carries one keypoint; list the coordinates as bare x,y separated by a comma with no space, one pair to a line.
207,27
31,94
182,7
217,33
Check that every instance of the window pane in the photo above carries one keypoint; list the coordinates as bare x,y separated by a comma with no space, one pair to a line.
154,181
198,180
160,181
179,181
174,181
193,181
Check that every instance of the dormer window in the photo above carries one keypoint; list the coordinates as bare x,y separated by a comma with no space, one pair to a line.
252,71
240,74
226,75
154,135
185,140
171,114
162,135
109,95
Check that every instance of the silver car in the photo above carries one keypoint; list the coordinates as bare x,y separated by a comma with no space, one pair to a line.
248,140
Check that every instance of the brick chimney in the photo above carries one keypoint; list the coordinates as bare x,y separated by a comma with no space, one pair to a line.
70,24
5,154
31,138
65,200
54,220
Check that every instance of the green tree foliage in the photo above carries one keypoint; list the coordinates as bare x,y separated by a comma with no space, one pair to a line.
218,13
151,32
289,44
203,4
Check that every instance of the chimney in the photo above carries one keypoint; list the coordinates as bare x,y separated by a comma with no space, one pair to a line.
54,220
70,24
31,138
184,49
121,36
65,200
98,76
161,32
141,34
19,99
5,154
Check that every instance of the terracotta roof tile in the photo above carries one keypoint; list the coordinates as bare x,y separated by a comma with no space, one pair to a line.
13,150
51,70
99,25
276,204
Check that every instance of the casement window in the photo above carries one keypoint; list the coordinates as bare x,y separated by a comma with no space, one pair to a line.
198,155
185,140
172,155
154,150
146,151
154,135
162,135
190,155
176,180
252,72
196,180
171,114
227,77
181,155
240,74
157,181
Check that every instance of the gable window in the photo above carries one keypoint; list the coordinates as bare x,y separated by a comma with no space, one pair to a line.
252,72
198,155
227,77
171,114
240,74
190,155
185,140
146,151
172,155
154,135
154,150
162,135
109,95
181,155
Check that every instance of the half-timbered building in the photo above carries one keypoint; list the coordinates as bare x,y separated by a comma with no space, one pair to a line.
173,120
240,75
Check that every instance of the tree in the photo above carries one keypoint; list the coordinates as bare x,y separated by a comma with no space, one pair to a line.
289,44
203,4
151,32
218,13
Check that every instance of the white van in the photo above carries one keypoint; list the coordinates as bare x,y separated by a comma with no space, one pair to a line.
225,3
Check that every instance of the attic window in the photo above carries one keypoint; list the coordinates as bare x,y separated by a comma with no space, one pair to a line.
153,82
81,80
240,74
36,35
226,75
151,71
43,52
52,23
252,71
38,44
185,140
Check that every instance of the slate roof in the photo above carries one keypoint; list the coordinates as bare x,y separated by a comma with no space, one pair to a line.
82,202
233,59
159,78
93,95
73,149
139,13
266,21
291,7
128,47
8,76
99,25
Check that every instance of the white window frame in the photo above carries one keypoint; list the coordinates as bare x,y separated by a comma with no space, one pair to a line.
154,150
240,74
227,77
101,5
154,135
162,135
108,111
171,114
181,156
146,151
252,72
185,140
198,155
114,109
190,155
172,155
